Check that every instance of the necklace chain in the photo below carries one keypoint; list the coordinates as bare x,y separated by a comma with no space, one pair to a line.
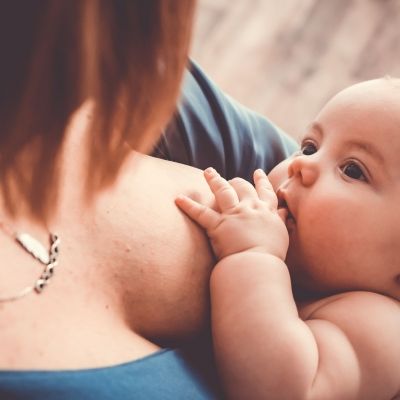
49,258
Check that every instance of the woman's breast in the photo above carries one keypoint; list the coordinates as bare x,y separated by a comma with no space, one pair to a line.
164,259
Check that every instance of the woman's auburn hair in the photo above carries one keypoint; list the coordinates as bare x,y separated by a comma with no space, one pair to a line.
128,56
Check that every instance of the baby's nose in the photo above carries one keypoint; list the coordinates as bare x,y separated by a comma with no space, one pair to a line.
305,168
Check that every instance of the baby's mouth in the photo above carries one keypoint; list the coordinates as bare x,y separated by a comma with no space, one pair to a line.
283,204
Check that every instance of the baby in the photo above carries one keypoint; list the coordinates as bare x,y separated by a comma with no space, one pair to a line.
328,220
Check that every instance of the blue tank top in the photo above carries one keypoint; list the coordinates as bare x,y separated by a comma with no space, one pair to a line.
167,374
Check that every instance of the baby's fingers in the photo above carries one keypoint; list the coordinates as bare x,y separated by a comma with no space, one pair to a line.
225,195
264,188
203,215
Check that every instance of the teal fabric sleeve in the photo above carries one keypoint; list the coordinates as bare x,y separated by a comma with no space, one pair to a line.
212,130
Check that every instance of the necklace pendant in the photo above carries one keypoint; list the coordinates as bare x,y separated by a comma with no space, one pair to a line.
49,258
33,246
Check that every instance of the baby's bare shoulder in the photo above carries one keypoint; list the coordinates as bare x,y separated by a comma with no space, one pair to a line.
370,322
366,311
361,301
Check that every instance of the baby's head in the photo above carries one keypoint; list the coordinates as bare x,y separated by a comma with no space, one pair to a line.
343,194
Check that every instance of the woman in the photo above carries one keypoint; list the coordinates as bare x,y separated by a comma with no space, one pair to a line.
87,313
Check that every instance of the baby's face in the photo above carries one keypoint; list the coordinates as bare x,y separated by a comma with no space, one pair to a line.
343,194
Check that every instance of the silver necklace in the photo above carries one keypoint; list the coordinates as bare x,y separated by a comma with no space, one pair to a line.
49,258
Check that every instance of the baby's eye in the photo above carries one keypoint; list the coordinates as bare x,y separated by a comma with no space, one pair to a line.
354,171
308,148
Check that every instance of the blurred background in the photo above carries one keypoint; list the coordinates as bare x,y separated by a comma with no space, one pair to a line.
286,58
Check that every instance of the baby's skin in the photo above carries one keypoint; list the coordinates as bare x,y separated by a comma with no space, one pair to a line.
327,222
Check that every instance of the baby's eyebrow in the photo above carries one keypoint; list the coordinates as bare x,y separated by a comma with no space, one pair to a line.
368,148
316,127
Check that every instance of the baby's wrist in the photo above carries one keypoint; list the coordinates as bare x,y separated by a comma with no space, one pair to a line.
241,273
261,250
249,257
281,255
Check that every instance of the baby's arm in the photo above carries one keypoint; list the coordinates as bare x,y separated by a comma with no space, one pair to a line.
263,348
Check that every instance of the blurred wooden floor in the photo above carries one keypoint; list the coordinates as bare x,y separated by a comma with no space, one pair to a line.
286,58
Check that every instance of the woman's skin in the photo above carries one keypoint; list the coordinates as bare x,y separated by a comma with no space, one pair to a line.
133,271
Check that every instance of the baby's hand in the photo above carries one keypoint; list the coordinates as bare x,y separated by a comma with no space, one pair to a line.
248,219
